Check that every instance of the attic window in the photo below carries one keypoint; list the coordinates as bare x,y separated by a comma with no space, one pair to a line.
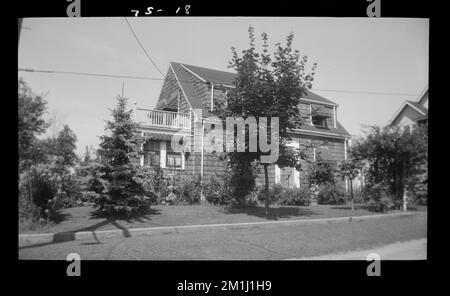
319,120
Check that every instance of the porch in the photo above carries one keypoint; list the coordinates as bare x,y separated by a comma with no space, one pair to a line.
162,120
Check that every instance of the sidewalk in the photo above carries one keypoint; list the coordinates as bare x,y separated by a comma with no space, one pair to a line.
410,250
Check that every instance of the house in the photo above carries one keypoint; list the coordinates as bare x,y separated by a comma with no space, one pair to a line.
189,94
412,113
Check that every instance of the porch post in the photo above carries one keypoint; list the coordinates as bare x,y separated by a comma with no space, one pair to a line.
142,149
162,147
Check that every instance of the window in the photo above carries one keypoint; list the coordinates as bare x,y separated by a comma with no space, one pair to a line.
151,153
319,121
173,159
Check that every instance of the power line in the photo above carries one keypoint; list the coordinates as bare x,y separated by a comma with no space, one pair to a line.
140,44
366,92
158,79
87,74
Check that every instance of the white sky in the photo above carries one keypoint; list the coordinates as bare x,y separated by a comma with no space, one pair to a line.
353,54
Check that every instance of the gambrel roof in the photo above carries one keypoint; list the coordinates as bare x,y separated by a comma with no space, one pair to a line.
187,74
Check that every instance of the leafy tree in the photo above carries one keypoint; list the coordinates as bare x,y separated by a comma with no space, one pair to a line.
322,172
120,152
395,158
269,87
349,169
65,145
31,123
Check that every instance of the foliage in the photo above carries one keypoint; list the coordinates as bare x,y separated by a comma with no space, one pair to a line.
330,194
187,189
92,183
62,146
240,177
274,194
152,179
349,169
31,123
393,158
321,172
218,193
120,152
377,197
44,188
295,197
287,196
267,86
420,188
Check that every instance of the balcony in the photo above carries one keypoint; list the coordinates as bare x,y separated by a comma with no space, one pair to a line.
162,119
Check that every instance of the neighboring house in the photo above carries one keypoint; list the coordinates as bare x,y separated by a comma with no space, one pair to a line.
190,93
412,113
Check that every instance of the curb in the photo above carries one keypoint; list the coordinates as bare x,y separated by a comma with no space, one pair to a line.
28,240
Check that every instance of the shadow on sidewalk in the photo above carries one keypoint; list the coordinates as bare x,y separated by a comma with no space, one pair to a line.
66,236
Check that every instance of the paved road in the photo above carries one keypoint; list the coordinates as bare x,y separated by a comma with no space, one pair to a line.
261,242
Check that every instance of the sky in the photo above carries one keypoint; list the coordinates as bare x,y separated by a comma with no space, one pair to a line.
382,55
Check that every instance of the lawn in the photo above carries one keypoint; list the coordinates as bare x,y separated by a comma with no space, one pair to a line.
84,219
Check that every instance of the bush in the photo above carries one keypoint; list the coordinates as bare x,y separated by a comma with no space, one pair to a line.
295,197
377,198
382,205
217,193
92,182
274,194
42,191
187,189
330,194
72,191
152,179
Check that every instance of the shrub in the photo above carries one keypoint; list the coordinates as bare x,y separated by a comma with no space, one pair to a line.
42,191
274,194
382,205
92,182
217,193
187,188
322,172
295,197
377,198
152,180
330,194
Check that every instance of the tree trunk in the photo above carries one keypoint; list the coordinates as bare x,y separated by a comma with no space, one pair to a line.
266,177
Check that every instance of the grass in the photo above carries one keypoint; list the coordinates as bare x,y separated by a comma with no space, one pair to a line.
84,218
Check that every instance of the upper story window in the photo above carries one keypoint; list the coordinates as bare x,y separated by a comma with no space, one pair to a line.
318,120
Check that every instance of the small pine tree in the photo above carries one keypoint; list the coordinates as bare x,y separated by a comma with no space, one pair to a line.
120,152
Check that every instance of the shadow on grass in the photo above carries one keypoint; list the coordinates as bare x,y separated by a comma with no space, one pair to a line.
275,213
348,208
66,236
60,217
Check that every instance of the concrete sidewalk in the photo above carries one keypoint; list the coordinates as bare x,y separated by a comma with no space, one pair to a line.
410,250
46,238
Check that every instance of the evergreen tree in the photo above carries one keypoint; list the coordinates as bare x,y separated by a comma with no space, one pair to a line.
120,152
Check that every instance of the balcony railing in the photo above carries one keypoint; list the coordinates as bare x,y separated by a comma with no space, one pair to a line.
164,119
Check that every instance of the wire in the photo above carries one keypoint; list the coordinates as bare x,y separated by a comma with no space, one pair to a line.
153,78
366,92
140,44
87,74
